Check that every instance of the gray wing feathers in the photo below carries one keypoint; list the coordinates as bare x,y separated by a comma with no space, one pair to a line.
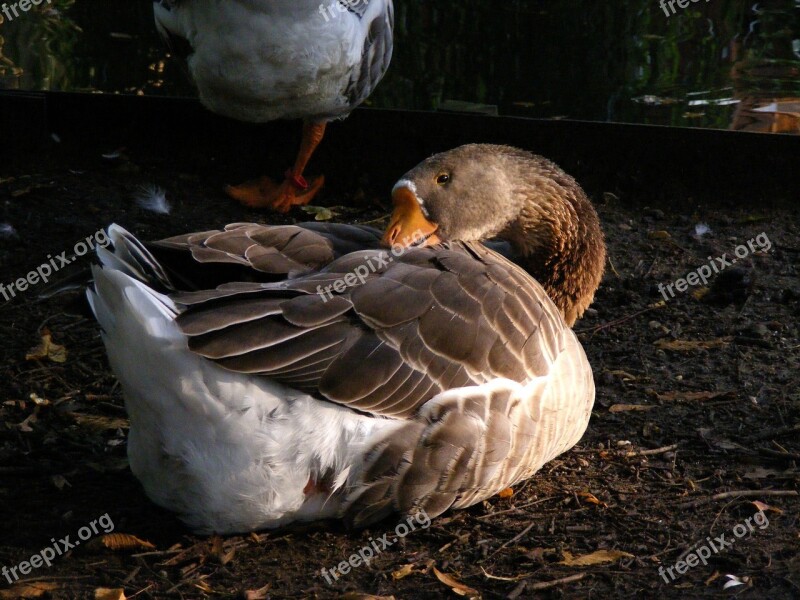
375,58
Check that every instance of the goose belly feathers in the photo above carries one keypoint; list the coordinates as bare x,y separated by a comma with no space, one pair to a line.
291,373
262,60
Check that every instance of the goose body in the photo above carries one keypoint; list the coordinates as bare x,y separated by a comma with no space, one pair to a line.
262,60
293,373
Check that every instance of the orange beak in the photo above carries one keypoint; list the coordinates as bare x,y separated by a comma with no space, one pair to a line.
408,226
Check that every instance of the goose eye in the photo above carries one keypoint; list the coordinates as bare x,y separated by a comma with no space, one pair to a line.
443,179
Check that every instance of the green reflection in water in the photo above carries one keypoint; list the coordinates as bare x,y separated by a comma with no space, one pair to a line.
583,59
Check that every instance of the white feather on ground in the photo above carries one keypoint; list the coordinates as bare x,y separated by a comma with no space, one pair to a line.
152,198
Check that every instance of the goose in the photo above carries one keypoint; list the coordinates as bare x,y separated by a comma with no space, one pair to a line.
275,374
264,60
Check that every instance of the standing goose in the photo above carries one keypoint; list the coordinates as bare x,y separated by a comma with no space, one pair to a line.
292,373
263,60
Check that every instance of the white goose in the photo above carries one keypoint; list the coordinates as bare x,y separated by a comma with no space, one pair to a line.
283,373
262,60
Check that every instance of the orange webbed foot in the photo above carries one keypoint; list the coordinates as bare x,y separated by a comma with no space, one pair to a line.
265,193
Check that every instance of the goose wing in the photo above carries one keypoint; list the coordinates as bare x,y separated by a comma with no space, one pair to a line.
375,332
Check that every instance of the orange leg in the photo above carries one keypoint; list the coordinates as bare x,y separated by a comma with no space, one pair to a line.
294,190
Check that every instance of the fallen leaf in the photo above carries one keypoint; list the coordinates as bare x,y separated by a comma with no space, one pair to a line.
766,507
597,557
39,401
321,213
616,408
669,396
659,235
714,576
402,572
109,594
100,422
455,585
700,293
122,541
506,493
47,349
687,345
259,594
360,596
36,589
218,551
624,375
592,499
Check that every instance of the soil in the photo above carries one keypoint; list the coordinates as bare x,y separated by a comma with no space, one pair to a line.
696,426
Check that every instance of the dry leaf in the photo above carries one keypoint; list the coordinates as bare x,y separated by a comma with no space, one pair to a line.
360,596
687,345
122,541
402,572
38,400
35,589
692,395
100,422
47,349
597,557
592,499
321,213
259,594
659,235
766,507
455,585
218,551
506,493
624,375
700,293
616,408
109,594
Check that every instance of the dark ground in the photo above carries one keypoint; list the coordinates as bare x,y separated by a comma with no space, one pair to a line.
674,426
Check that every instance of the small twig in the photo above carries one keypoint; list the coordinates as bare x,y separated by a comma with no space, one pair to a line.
378,220
158,553
516,508
775,432
662,450
776,454
512,540
738,494
593,330
543,585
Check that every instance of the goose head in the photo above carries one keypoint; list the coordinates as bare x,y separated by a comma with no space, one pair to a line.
480,191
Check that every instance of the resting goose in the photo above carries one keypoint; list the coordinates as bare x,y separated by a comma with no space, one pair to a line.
263,60
292,373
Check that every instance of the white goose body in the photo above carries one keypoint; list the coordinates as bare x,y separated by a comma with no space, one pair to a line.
261,60
260,392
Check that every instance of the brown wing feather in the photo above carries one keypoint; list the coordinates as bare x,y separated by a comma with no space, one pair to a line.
428,321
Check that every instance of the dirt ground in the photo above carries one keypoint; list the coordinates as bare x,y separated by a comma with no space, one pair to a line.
694,431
